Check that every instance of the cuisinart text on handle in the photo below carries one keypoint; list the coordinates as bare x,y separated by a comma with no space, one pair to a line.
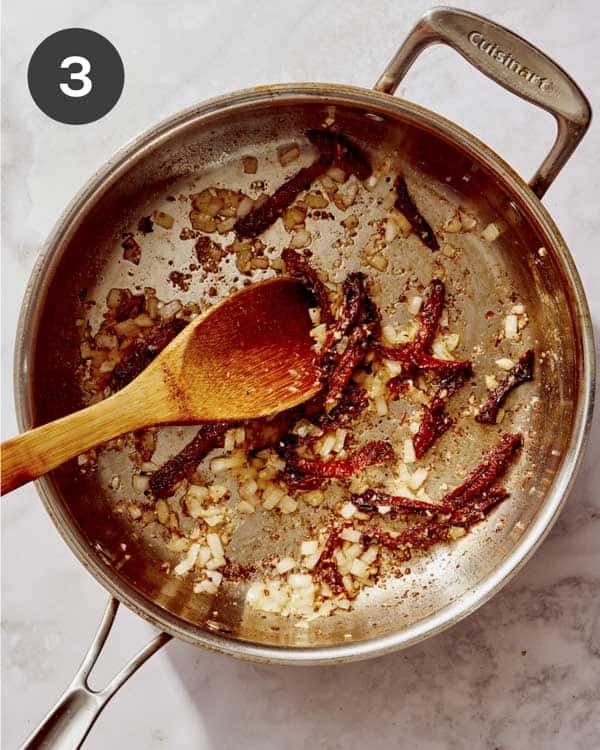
505,58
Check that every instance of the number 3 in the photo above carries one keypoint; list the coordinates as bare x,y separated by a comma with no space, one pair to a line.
80,75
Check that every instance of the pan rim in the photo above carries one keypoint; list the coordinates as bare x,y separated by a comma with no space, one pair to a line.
536,213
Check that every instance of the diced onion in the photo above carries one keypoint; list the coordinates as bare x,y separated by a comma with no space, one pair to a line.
409,452
451,341
217,491
467,220
300,238
337,174
310,561
440,350
348,510
392,230
491,232
370,555
417,479
188,561
170,309
214,542
511,326
449,250
393,368
313,497
340,439
285,564
504,363
219,465
378,261
453,224
381,407
162,511
350,535
309,547
140,482
288,155
314,314
402,222
272,496
327,444
229,442
359,569
162,219
250,164
288,505
245,507
300,580
415,305
214,576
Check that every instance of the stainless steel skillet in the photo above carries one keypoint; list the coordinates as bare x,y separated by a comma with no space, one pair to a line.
447,168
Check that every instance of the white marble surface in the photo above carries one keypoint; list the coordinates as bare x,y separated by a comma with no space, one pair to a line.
523,671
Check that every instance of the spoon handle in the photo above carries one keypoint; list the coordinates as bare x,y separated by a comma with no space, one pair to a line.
28,456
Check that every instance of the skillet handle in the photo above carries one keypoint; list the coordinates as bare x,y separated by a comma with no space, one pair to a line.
510,61
68,723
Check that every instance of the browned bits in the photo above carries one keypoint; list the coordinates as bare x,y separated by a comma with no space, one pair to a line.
250,164
209,254
145,225
180,280
187,234
235,571
124,304
131,250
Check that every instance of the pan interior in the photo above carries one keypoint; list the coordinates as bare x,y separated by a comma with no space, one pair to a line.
483,276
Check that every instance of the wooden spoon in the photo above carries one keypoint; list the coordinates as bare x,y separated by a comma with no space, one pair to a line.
249,356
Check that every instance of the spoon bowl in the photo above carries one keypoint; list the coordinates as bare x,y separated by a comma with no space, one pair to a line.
249,356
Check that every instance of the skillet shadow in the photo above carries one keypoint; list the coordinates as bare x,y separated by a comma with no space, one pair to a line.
516,673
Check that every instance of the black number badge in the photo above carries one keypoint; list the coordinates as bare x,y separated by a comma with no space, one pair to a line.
76,76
